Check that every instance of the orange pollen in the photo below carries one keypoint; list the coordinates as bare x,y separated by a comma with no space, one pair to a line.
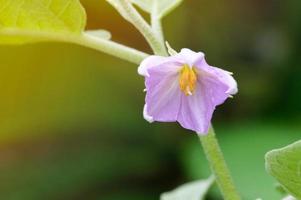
187,80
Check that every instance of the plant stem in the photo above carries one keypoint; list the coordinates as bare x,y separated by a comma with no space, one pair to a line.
219,166
157,27
112,48
131,14
99,44
156,23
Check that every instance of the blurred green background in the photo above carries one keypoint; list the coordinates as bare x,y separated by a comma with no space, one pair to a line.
71,123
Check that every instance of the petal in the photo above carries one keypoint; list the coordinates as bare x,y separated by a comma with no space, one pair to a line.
156,61
214,90
149,62
163,97
227,78
190,57
223,76
146,116
196,110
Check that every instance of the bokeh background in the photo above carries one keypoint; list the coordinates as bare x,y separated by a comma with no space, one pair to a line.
71,123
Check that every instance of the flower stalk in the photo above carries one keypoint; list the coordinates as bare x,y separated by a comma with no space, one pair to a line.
218,166
156,22
102,45
112,48
128,11
157,27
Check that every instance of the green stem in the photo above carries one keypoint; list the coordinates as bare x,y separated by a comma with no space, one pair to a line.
157,27
112,48
157,23
219,166
99,44
131,14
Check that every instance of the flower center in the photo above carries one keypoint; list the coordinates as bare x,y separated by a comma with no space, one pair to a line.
187,80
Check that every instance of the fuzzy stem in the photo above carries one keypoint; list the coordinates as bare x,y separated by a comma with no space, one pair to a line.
112,48
157,27
218,166
84,39
132,15
156,23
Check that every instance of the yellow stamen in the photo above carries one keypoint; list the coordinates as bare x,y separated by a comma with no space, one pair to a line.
187,80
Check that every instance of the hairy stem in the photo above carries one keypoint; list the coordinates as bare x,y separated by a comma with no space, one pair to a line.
156,22
131,14
112,48
219,166
157,27
99,44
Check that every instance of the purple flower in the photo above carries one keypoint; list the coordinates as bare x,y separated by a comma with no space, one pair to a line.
184,88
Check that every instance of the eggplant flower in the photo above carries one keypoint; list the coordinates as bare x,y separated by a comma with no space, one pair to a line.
184,88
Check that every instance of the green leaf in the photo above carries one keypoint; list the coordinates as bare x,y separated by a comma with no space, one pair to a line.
190,191
104,34
285,165
39,20
158,7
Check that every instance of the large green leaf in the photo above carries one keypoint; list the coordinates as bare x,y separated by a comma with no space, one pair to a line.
24,21
285,165
157,7
190,191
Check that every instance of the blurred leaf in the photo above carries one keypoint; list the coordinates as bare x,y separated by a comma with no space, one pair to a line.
285,165
100,34
40,20
160,8
190,191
